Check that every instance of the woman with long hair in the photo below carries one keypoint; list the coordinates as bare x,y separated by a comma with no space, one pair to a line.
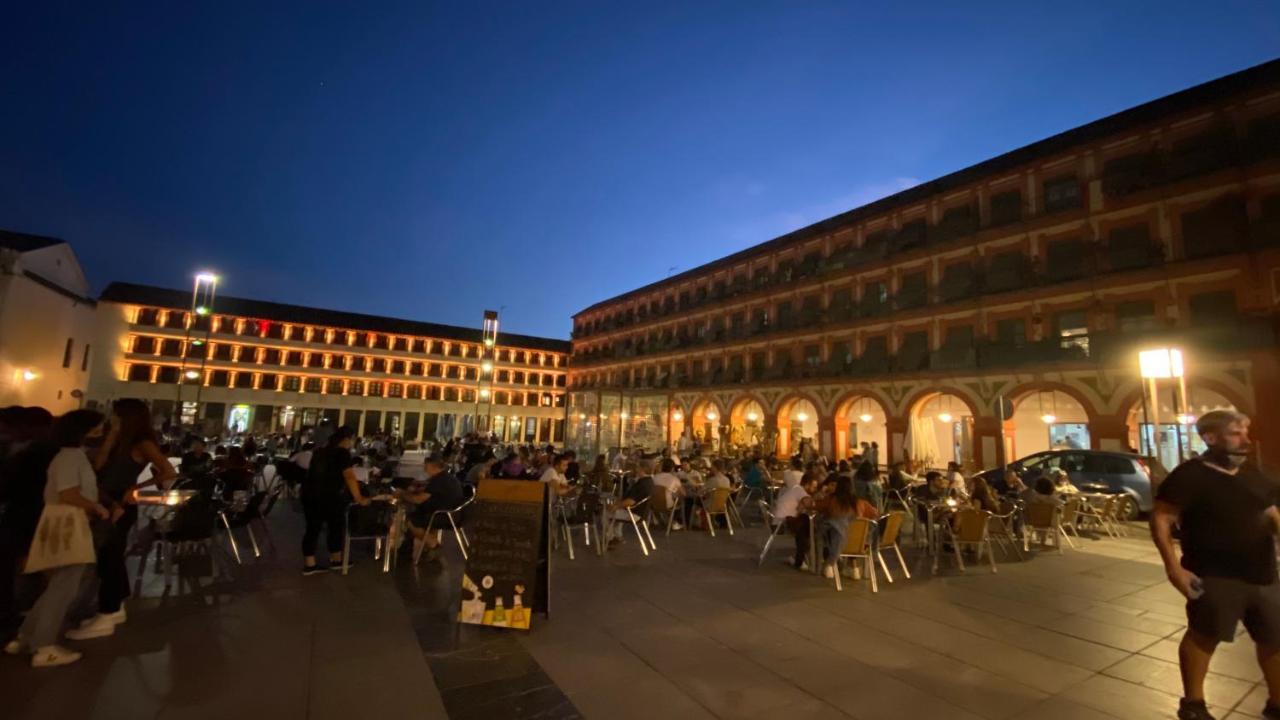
130,448
837,508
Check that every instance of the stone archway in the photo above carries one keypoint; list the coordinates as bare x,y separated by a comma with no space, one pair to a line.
747,422
941,429
798,421
861,417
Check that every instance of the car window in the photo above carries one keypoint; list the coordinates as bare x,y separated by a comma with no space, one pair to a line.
1071,462
1118,465
1038,462
1097,464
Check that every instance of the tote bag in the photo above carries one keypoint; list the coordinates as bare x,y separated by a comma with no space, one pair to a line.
62,538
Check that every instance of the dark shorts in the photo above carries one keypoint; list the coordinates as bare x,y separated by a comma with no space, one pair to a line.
1227,601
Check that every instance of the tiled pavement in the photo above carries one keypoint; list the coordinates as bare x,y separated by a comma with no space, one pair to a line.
694,631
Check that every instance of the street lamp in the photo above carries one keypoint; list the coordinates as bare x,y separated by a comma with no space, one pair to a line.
484,379
1155,365
203,294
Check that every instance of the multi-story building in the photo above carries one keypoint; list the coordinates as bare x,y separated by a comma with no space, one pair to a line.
46,323
998,310
262,366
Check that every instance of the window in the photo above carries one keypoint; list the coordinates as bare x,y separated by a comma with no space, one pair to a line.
1130,247
1007,271
1006,207
147,316
914,352
1215,229
333,386
219,378
84,362
313,385
785,319
379,365
269,381
144,345
139,373
355,387
271,356
167,374
1214,308
66,353
244,380
395,390
1061,194
1072,330
813,355
1137,316
957,282
415,393
294,357
1066,259
292,383
315,360
1011,333
375,389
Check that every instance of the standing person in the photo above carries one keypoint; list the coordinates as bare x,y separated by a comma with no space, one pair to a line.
791,476
873,456
70,481
22,482
130,447
325,492
1227,514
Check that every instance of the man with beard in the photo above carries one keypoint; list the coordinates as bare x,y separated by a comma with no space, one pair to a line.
1226,511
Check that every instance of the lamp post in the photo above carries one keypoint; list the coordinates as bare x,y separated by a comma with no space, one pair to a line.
1163,364
484,379
202,297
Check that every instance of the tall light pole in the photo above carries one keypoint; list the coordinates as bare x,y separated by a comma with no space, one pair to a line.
201,318
484,379
1162,364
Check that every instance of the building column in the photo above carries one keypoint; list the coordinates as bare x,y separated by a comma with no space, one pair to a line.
771,434
1108,432
895,439
987,436
827,434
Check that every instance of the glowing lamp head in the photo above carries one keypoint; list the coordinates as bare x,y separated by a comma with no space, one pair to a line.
1049,418
677,416
752,417
486,366
207,278
1186,419
944,417
1160,363
865,417
711,415
197,343
582,416
488,342
29,375
192,374
802,417
484,392
202,310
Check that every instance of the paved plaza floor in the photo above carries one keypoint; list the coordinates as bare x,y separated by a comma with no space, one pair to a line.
696,630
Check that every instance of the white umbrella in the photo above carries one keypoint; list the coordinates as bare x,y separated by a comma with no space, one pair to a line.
922,442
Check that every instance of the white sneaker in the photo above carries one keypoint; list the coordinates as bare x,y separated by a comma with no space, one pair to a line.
828,571
804,566
53,656
13,647
677,526
118,617
95,627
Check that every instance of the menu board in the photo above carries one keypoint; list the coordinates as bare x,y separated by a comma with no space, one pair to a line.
506,577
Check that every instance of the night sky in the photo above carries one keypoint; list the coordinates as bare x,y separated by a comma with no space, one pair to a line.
429,161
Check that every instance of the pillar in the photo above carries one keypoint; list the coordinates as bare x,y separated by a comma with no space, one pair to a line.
1109,432
895,431
986,440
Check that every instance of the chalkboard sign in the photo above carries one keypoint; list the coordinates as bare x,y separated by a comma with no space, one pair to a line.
508,563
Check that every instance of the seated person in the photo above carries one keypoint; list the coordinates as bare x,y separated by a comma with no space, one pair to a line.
836,510
956,481
866,485
554,474
196,461
792,476
900,479
792,508
717,479
1044,494
1061,483
636,493
983,497
236,475
440,492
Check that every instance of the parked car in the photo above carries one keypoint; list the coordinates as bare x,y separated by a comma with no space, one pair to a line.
1095,471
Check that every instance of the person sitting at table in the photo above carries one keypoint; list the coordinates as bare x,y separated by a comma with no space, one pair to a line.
667,479
440,492
792,476
599,476
933,490
717,479
866,485
196,461
236,475
983,497
1044,493
1061,483
956,481
554,475
836,510
792,508
330,485
636,493
572,471
902,480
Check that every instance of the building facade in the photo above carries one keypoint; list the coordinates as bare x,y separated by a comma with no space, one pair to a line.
265,367
987,314
46,323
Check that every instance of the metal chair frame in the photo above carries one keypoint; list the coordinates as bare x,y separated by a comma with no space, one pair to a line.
717,498
858,546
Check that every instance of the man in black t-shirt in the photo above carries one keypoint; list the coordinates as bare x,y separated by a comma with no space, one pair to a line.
1227,514
330,487
441,492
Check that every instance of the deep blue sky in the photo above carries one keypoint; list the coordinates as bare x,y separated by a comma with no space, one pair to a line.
431,160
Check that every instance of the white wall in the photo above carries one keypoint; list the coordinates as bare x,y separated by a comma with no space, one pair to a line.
35,324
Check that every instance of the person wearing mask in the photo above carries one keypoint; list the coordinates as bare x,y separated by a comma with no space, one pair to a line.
792,508
330,485
70,481
792,476
22,482
1226,511
197,461
129,448
440,493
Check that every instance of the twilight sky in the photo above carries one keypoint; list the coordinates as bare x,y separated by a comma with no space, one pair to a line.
430,160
